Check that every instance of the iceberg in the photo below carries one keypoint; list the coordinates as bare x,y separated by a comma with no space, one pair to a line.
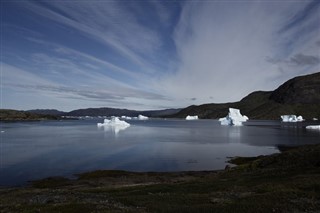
141,117
291,118
113,122
313,127
315,119
126,117
189,117
234,118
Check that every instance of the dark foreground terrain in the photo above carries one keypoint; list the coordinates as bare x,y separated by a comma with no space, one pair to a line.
286,182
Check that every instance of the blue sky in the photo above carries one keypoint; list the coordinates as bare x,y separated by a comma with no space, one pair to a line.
151,54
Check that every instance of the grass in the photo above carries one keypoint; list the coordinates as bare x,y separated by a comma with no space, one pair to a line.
285,182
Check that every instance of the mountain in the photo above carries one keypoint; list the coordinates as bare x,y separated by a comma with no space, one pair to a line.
119,112
299,90
47,112
300,96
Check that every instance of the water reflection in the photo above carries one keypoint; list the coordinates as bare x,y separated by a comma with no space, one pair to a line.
114,129
234,132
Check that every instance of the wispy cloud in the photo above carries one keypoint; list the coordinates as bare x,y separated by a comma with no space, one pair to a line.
155,53
110,24
223,48
23,81
301,60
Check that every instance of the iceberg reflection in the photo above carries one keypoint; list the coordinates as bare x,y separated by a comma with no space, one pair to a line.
115,129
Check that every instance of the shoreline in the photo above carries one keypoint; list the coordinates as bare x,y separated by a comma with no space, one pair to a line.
283,182
231,163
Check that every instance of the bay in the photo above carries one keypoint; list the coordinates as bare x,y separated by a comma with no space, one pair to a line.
34,150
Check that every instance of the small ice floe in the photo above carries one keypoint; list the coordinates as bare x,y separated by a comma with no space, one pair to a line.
141,117
291,118
234,118
315,119
190,117
126,117
2,131
317,127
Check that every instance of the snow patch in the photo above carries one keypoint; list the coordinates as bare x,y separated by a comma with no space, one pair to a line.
234,118
190,117
291,118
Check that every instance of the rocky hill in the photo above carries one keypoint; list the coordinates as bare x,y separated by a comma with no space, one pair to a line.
47,112
16,115
300,95
299,90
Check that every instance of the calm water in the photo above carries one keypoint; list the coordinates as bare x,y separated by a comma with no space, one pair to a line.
33,150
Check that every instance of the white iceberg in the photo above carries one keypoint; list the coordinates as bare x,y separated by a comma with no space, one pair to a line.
113,122
190,117
126,117
291,118
234,118
313,127
315,119
141,117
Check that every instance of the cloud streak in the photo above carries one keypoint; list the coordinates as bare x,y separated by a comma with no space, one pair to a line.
109,24
154,53
224,47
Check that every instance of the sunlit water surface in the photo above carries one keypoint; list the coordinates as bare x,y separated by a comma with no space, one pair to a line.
34,150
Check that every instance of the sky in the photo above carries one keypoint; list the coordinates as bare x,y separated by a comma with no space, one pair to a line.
150,54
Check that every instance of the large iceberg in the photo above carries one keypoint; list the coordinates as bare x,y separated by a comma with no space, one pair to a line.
291,118
189,117
113,122
234,118
114,125
313,127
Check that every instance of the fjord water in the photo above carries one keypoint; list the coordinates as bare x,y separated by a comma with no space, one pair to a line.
35,150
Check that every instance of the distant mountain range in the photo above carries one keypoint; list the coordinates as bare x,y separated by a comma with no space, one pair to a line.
47,112
105,111
300,96
119,112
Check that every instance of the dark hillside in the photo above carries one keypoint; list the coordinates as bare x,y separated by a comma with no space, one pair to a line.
300,95
299,90
15,115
